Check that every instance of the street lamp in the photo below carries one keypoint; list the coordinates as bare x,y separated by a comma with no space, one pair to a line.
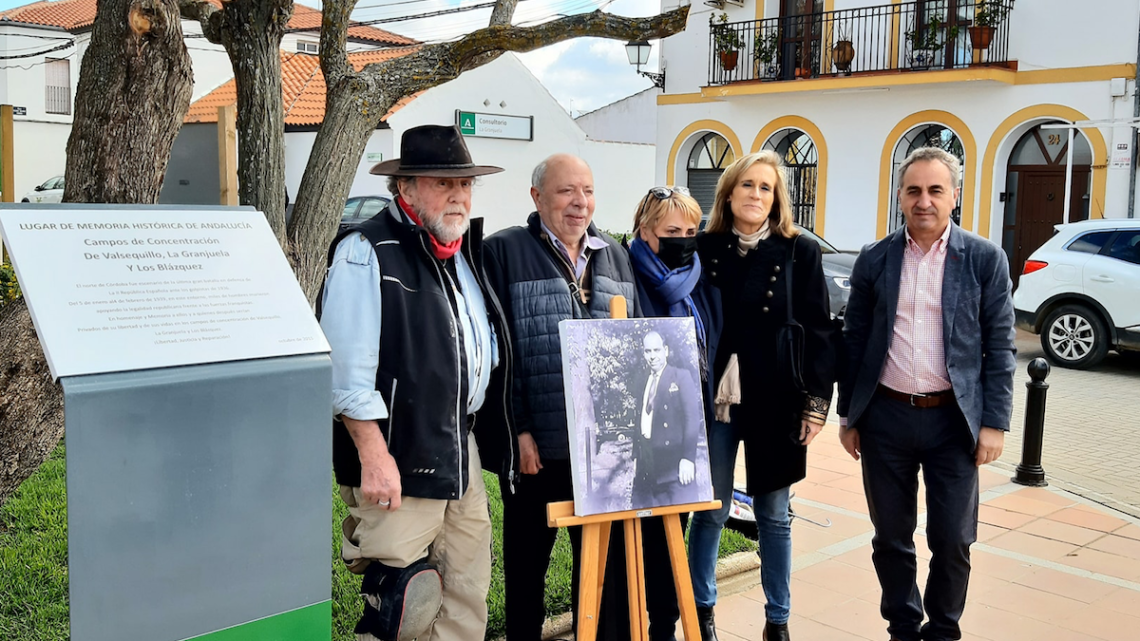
638,53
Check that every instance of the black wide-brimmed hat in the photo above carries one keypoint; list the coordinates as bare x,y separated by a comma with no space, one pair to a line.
433,150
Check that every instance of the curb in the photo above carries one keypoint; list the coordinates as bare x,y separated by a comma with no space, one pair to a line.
734,573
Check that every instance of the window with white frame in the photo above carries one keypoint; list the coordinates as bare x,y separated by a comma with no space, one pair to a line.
57,84
307,46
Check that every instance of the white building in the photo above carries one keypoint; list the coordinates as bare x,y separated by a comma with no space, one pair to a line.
43,43
504,88
844,133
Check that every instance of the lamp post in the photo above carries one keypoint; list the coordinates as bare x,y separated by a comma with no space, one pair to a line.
638,53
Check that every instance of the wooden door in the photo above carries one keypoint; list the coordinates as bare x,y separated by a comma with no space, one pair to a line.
801,31
1040,206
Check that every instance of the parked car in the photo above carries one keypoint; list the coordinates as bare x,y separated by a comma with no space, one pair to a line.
360,208
837,268
1081,291
51,191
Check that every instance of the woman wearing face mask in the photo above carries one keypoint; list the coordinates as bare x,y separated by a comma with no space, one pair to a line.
670,283
745,250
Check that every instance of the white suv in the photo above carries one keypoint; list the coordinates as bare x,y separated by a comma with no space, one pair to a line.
1081,291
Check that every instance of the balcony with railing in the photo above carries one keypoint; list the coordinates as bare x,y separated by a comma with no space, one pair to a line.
910,36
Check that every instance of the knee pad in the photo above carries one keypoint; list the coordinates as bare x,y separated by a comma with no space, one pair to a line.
400,604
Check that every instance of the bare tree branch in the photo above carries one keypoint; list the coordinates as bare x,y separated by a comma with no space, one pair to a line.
503,12
205,14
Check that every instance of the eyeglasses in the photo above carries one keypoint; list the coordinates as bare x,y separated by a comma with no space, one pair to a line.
661,193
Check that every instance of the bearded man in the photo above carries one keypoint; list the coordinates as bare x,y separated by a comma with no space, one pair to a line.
417,337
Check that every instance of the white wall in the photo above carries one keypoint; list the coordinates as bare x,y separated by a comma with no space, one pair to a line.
24,80
631,119
210,62
622,172
40,152
298,146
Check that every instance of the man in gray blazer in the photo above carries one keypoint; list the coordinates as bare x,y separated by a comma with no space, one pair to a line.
929,385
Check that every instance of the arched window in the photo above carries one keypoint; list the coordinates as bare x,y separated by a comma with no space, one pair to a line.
929,135
798,152
707,161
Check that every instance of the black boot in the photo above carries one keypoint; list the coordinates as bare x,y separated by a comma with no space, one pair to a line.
707,622
776,632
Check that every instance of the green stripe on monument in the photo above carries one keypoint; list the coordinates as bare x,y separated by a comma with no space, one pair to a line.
311,623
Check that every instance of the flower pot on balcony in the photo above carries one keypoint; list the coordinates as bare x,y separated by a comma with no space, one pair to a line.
842,54
981,37
803,72
728,59
921,59
765,70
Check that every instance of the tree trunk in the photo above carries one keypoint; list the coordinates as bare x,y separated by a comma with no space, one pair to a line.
133,93
31,404
348,125
251,33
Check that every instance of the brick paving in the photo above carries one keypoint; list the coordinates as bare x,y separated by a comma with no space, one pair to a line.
1049,565
1092,427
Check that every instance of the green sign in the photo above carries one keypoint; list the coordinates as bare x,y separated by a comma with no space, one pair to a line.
467,123
483,125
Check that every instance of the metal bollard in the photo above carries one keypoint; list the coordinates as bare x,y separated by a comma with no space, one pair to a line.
1029,471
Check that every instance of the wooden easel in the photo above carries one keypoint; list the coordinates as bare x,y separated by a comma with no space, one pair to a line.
595,547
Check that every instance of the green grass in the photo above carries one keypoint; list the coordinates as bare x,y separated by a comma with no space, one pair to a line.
33,562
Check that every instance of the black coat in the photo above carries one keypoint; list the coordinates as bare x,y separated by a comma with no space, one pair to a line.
754,302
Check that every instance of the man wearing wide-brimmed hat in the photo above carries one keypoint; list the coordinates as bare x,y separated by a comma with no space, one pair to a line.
417,337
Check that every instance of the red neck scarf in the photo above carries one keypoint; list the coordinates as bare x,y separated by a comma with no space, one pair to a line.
441,251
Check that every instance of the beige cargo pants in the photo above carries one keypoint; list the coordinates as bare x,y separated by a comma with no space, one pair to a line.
455,535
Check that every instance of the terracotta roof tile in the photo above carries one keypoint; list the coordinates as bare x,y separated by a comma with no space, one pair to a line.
303,88
74,15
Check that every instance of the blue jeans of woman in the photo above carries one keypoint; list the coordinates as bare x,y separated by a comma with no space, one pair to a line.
773,524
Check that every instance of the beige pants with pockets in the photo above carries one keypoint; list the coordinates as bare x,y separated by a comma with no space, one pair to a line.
455,535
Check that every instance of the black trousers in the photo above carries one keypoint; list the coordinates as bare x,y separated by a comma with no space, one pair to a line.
527,544
898,441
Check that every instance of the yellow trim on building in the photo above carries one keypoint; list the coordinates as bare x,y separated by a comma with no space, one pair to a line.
896,16
906,78
1037,112
809,128
714,126
760,9
885,165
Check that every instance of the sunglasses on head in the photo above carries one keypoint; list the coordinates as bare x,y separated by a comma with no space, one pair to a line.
661,193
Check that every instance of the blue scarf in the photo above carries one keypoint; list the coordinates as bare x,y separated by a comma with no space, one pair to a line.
674,288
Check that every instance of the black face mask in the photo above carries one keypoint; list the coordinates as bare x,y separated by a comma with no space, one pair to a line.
676,252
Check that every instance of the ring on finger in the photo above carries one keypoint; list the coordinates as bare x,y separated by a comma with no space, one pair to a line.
383,503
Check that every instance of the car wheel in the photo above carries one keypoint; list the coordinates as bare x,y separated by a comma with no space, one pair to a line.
1073,336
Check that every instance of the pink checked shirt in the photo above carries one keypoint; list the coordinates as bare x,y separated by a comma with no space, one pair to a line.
916,360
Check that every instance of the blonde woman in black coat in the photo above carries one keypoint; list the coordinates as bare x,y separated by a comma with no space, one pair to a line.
745,250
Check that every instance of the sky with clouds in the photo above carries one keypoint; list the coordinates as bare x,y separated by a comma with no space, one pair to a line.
582,74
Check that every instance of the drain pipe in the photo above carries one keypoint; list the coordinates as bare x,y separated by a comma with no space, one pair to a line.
1132,132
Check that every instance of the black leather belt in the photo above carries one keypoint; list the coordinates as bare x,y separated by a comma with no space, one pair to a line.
924,401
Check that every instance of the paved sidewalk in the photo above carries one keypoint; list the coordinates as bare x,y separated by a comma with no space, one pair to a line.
1091,423
1048,566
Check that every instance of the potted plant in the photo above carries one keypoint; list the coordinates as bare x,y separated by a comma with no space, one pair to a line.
925,40
765,47
726,41
844,51
989,14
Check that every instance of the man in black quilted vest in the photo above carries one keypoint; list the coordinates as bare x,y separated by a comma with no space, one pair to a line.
417,337
558,266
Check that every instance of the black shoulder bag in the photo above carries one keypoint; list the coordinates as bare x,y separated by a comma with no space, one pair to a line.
790,338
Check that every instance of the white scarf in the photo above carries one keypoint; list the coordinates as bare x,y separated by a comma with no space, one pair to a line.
750,241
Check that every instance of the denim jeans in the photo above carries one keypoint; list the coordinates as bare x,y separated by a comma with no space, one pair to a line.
772,522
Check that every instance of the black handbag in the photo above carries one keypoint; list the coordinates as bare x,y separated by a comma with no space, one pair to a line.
790,339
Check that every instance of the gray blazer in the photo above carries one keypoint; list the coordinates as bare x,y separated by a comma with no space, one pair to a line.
977,327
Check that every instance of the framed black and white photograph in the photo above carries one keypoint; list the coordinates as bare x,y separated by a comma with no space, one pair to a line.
635,414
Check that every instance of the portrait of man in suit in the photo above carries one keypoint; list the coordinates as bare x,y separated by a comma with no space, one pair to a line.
668,424
929,387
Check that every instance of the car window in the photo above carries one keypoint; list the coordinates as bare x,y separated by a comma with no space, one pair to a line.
1090,243
1126,247
372,206
349,212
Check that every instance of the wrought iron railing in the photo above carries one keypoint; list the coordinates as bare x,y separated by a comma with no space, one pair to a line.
924,35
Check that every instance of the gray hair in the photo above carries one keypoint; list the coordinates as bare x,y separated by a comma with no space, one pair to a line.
929,154
394,184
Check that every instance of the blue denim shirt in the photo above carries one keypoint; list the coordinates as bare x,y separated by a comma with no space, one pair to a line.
351,315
